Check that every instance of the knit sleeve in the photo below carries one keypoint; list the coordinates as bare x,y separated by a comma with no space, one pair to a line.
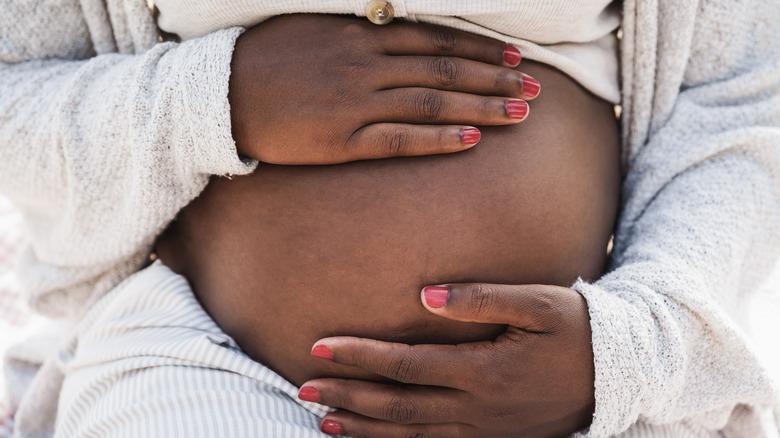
699,232
99,152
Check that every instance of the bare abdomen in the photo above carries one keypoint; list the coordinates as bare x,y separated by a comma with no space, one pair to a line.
291,254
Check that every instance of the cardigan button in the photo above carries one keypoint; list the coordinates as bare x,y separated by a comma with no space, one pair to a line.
380,12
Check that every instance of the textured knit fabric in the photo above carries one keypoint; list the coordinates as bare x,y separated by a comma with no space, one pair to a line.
699,228
575,37
105,134
100,152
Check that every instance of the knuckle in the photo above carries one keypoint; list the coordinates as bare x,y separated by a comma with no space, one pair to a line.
443,39
400,410
444,71
358,36
352,29
346,96
397,141
545,304
403,368
354,60
353,66
488,107
548,310
340,399
481,300
508,80
441,137
429,106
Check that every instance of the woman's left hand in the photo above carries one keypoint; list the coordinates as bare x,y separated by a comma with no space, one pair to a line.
536,379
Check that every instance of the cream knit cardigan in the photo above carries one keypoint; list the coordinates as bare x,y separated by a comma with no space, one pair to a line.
105,134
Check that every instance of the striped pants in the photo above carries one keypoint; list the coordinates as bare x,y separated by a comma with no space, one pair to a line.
151,363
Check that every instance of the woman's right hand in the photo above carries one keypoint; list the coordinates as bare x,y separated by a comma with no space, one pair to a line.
323,89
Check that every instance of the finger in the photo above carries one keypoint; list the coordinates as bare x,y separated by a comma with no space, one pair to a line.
383,140
448,366
408,404
431,40
357,426
533,308
450,73
427,106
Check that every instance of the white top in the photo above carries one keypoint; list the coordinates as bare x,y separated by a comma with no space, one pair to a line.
577,38
105,134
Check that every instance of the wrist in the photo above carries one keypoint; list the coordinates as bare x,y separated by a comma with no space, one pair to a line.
237,93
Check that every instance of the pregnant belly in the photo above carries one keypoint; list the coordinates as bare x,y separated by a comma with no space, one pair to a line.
291,254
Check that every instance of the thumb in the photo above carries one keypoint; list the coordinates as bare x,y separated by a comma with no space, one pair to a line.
530,307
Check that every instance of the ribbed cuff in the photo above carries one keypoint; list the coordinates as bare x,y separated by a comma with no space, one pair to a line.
618,355
208,106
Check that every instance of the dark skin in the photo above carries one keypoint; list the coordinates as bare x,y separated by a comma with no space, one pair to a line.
400,90
290,255
469,390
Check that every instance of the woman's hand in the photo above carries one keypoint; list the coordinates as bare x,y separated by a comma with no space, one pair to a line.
321,89
535,380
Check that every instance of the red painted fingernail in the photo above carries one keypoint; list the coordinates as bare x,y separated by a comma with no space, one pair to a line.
309,394
470,136
331,427
512,56
322,352
436,296
531,87
516,109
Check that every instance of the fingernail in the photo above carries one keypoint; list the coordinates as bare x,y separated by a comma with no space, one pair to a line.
436,296
512,56
331,427
516,109
470,136
531,87
309,394
322,352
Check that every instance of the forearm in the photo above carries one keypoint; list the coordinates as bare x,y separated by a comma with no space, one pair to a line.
101,153
698,228
667,345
